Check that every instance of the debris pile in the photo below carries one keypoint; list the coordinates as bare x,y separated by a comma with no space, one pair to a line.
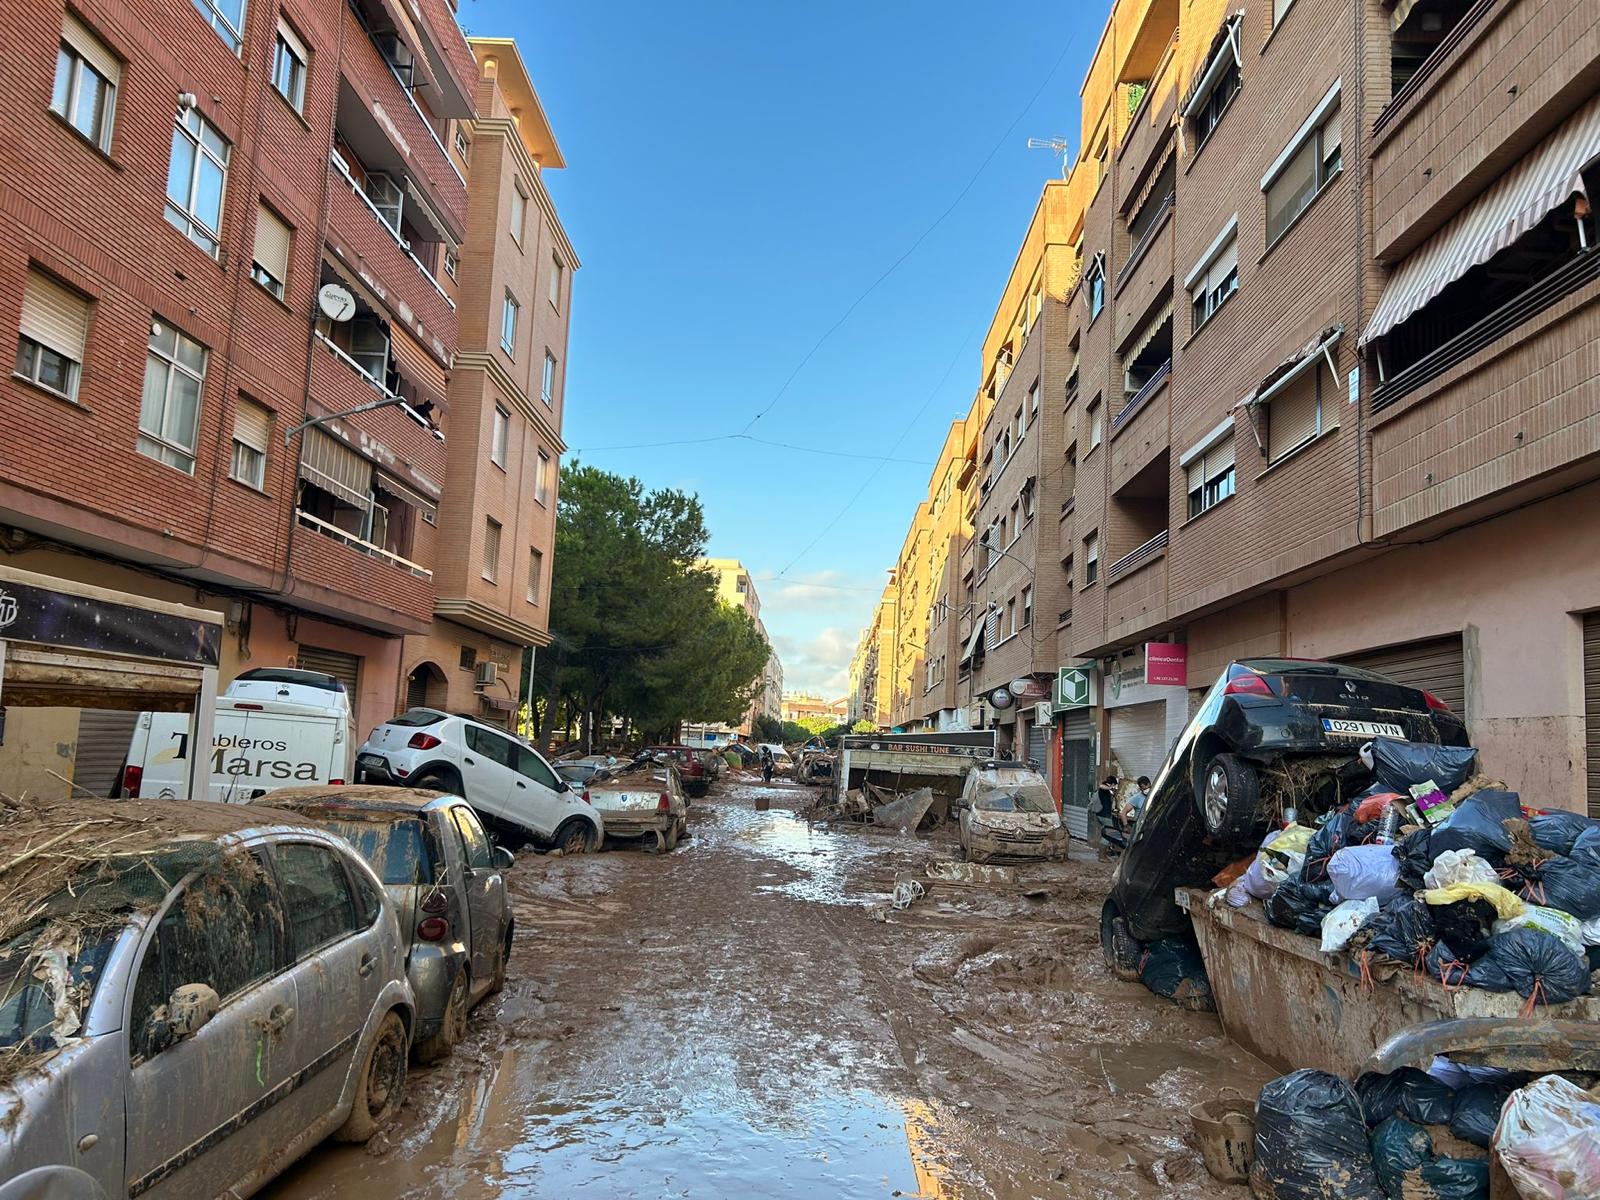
873,805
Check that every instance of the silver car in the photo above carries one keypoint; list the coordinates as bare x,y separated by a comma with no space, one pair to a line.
192,995
444,879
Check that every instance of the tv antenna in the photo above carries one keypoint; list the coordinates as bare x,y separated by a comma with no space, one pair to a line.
1057,146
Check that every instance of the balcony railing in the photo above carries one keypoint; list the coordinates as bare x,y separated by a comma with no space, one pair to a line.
360,546
1068,504
405,247
1134,559
1143,394
1429,65
374,384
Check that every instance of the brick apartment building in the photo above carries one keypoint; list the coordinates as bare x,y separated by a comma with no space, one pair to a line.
736,587
1334,369
224,219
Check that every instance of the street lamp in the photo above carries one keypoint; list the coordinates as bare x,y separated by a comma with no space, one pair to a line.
421,413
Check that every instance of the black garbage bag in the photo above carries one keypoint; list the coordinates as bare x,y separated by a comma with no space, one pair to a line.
1416,857
1477,825
1173,968
1586,849
1532,964
1447,1178
1295,899
1467,925
1477,1109
1309,1131
1400,765
1447,965
1409,1093
1557,831
1399,1148
1403,930
1563,883
1594,958
1334,835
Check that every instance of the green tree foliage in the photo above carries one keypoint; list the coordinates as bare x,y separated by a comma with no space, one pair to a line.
863,726
793,732
766,728
816,725
637,630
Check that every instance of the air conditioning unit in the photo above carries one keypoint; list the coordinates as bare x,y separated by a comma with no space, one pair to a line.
486,674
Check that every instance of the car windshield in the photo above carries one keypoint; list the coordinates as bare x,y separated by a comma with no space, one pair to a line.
1026,797
48,976
310,679
577,772
417,717
400,852
1004,777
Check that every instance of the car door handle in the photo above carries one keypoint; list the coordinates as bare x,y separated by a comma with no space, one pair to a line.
279,1017
469,762
367,964
520,784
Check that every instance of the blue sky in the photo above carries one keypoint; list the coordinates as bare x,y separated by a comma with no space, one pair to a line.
738,175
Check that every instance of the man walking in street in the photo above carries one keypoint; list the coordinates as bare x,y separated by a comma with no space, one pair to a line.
766,764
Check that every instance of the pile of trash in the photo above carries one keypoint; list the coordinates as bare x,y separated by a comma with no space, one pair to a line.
873,805
1443,871
1425,1135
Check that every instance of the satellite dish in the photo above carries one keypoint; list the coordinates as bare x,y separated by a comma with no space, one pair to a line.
336,302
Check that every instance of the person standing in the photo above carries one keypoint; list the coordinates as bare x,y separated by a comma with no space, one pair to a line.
1134,804
766,764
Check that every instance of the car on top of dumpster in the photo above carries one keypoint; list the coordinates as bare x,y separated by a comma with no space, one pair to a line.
1272,735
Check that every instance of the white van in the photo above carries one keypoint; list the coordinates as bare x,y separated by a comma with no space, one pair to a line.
275,727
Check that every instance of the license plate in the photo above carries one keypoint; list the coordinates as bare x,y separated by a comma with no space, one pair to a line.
1361,729
370,760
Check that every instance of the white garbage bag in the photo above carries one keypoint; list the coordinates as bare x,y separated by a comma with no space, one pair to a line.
1365,872
1342,924
1591,932
1459,866
1553,921
1548,1141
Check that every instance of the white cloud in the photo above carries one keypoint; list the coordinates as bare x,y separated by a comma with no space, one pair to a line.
819,665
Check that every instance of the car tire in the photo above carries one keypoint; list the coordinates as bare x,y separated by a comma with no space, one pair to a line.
669,840
438,779
452,1028
380,1084
1230,789
502,965
575,837
1119,947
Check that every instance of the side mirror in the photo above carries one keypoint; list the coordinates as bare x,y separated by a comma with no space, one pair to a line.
183,1015
502,859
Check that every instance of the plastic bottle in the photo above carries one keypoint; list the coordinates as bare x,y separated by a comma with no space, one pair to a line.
1388,826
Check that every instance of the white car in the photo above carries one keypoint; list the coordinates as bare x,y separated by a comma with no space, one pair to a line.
781,762
1016,820
991,773
643,800
508,782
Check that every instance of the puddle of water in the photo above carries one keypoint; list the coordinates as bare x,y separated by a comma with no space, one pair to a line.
824,858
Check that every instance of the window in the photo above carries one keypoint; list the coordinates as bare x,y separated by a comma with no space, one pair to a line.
1095,285
497,437
226,17
289,59
387,197
1211,476
195,178
169,411
508,325
557,270
541,487
51,335
252,429
463,147
364,340
519,212
1279,8
271,265
1027,607
547,389
1305,168
474,842
1148,361
1091,558
491,549
535,573
319,907
1033,401
1215,277
1294,414
1027,500
87,75
451,261
1096,424
1016,521
1219,84
529,764
1000,542
1011,617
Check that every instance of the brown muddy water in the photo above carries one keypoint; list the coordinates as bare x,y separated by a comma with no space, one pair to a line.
745,1017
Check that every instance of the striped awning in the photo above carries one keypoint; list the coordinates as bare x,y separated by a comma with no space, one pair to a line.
336,468
1547,177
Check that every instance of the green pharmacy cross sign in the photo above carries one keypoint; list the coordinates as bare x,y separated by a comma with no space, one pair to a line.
1073,687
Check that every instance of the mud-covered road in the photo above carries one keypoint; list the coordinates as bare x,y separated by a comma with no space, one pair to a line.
745,1017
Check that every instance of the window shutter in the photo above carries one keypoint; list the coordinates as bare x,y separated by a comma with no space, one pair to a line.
336,468
1219,458
1292,415
252,425
294,43
1226,264
272,243
78,35
54,316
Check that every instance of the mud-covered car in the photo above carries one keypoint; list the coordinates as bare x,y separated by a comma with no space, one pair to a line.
1014,821
1272,734
991,773
642,800
192,995
445,880
694,771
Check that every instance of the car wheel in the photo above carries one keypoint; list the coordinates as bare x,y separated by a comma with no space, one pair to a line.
381,1084
1228,797
575,837
1120,948
454,1025
502,964
438,779
669,840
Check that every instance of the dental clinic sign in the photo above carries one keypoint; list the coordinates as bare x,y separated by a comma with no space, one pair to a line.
1166,664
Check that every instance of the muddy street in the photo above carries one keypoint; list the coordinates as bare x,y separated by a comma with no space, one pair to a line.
746,1016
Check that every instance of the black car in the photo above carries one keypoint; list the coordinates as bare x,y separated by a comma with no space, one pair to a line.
1272,734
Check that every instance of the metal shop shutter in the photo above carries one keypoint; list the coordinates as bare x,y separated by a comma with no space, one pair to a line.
103,738
346,668
1077,772
1435,665
1591,706
1039,746
1139,737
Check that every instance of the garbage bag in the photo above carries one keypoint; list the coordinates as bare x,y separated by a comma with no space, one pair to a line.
1546,1141
1563,883
1476,825
1401,765
1345,921
1414,852
1172,968
1461,1075
1459,866
1399,1148
1477,1109
1532,964
1403,930
1467,925
1295,899
1371,806
1446,1178
1447,964
1360,872
1309,1130
1548,920
1557,831
1586,849
1505,903
1408,1092
1334,835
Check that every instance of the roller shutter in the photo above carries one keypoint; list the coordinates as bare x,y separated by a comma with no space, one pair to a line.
1591,706
103,738
346,668
1139,738
1039,747
1077,772
1436,665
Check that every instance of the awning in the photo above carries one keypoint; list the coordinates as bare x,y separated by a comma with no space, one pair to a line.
430,217
496,703
1148,334
1399,13
1224,49
975,642
334,467
1543,180
413,496
1319,348
406,30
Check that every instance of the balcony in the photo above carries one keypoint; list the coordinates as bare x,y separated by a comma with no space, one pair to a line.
1137,557
392,437
1144,282
1150,127
343,576
1135,402
1136,602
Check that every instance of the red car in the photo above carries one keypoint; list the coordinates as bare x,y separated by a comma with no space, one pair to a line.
693,770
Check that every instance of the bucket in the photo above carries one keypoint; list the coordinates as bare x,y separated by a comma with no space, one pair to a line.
763,803
1226,1128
